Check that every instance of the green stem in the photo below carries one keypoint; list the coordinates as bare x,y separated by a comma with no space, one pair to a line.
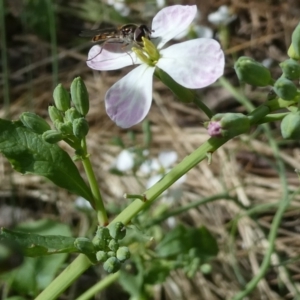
183,167
284,203
100,286
99,206
64,280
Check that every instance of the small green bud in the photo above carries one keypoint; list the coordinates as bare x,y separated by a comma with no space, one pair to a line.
80,96
111,254
290,126
285,89
113,245
112,265
54,114
252,72
34,122
61,98
101,256
292,54
290,69
52,136
71,114
65,128
228,125
84,245
123,254
117,230
80,127
101,238
296,41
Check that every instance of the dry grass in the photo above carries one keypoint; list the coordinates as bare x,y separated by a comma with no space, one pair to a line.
243,166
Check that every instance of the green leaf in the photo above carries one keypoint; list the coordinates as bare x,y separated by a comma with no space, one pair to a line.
182,239
37,245
37,273
28,153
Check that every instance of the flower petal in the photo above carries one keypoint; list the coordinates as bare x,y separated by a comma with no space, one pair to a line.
193,64
113,56
128,101
125,161
171,21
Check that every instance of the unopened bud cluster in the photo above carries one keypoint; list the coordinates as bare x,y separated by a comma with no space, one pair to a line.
69,122
105,247
252,72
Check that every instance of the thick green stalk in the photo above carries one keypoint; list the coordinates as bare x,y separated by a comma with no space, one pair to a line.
65,279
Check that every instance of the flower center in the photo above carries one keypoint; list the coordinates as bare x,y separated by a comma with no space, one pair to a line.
148,53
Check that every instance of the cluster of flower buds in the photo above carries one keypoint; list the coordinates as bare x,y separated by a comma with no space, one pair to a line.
285,87
70,122
105,247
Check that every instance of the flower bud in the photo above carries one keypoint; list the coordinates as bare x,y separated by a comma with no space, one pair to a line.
101,256
117,230
111,254
112,265
123,254
80,127
52,136
65,128
71,114
34,122
290,126
80,96
228,125
101,238
55,114
285,88
113,245
290,69
84,245
296,41
252,72
61,98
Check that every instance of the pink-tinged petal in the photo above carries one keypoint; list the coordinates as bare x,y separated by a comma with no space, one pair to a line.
193,64
171,21
112,57
128,101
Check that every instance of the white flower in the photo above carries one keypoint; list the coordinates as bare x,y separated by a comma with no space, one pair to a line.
120,7
124,161
193,64
222,16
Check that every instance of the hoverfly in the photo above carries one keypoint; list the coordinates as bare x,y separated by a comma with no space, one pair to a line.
126,34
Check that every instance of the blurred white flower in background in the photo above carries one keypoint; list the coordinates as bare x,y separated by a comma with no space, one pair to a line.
120,6
125,161
83,205
222,16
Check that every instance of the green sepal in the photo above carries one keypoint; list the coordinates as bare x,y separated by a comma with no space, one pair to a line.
290,126
61,98
80,96
232,124
296,42
55,114
52,136
290,69
112,265
117,230
34,245
71,114
84,245
34,122
252,72
285,88
123,254
80,128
